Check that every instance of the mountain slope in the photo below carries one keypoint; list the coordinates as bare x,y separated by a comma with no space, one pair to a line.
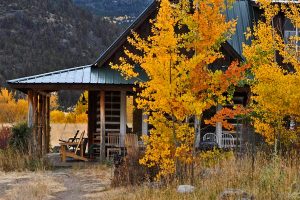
39,36
114,7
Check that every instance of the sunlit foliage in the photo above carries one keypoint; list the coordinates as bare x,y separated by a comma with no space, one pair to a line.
184,41
78,115
275,66
12,110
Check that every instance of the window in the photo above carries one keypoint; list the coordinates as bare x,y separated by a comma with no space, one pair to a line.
291,37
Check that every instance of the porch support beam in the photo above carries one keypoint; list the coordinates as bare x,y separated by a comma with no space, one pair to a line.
144,124
219,129
123,119
35,123
102,125
48,124
40,125
30,109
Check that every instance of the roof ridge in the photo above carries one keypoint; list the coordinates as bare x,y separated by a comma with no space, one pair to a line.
134,25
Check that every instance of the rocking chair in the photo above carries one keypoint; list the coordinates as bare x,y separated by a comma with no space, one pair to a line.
65,152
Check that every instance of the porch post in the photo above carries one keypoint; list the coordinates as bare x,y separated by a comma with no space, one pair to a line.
123,120
48,124
102,125
219,130
30,118
44,124
35,123
137,123
144,124
30,109
40,123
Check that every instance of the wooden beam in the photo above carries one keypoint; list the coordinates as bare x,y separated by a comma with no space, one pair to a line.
35,123
219,128
30,109
102,125
73,86
92,117
144,124
48,124
44,128
137,123
40,123
44,93
123,119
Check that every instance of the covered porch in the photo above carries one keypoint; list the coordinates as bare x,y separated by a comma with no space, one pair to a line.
108,96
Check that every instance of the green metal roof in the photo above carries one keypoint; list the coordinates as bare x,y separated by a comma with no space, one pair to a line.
80,75
240,11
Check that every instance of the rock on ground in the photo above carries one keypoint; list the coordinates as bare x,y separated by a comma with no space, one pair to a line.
185,189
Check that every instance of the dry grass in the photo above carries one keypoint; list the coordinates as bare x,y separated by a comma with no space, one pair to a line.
12,160
34,186
269,179
5,133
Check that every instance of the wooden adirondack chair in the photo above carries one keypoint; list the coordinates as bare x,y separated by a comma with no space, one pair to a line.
65,152
73,139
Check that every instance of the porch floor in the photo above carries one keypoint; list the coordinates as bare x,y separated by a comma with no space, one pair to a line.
54,160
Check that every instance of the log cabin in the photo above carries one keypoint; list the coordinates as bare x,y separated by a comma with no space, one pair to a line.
108,91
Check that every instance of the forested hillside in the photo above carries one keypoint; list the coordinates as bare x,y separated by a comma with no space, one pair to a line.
114,8
40,36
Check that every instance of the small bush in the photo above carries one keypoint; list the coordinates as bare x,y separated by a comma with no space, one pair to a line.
214,157
20,137
14,160
57,116
5,133
130,172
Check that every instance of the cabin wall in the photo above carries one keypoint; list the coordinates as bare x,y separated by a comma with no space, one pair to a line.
107,115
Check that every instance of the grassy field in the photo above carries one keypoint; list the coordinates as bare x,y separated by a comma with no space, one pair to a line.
261,177
266,179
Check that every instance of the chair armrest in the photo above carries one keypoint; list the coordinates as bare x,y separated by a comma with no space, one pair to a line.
68,143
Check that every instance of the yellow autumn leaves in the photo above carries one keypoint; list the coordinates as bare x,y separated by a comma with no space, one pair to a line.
13,110
176,55
275,66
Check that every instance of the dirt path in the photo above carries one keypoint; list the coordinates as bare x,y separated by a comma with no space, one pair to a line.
82,184
68,184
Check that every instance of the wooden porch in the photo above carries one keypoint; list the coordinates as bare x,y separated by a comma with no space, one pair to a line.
108,94
107,124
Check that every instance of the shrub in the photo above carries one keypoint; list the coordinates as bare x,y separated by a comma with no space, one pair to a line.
81,118
20,137
130,172
57,116
214,157
14,160
5,134
12,110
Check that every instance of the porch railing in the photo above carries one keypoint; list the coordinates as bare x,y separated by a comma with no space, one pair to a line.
227,140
